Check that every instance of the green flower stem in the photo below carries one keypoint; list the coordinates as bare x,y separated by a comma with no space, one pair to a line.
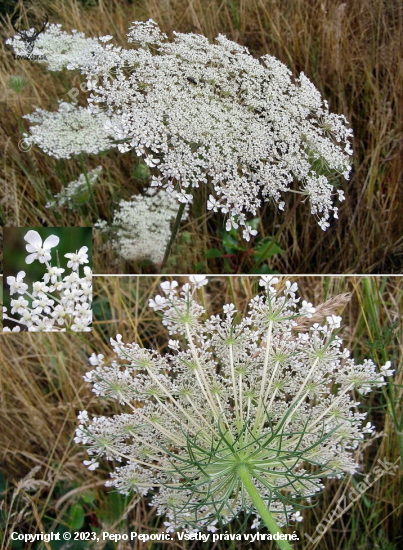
173,234
244,475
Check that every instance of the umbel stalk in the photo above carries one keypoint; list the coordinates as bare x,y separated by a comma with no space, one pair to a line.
175,229
173,234
245,476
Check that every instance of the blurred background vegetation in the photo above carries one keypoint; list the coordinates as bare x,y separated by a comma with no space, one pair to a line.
45,487
350,50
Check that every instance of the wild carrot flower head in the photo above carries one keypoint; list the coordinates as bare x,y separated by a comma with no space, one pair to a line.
69,131
76,192
141,227
202,113
233,397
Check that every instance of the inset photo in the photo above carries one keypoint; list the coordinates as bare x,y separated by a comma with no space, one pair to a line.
47,283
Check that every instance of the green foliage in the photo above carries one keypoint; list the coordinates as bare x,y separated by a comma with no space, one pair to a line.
141,172
112,508
17,83
235,251
76,517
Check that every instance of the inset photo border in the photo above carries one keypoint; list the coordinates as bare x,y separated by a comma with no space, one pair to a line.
47,282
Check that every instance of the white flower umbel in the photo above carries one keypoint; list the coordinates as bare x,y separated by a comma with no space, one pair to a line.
141,227
55,303
56,48
76,192
240,415
69,131
201,113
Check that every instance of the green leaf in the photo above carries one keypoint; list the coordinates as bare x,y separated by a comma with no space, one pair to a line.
266,248
213,253
229,241
76,517
113,508
201,266
88,497
253,223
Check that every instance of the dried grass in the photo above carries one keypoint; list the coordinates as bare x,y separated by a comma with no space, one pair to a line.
351,51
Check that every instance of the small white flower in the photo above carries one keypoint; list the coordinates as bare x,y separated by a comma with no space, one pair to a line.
291,288
368,428
151,161
92,464
158,303
296,516
86,289
39,251
71,279
77,258
334,321
17,284
174,344
96,360
88,273
71,295
212,204
307,309
248,232
58,286
81,324
52,274
29,317
198,280
43,304
268,280
82,310
386,370
39,287
229,309
83,416
60,313
18,305
168,287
